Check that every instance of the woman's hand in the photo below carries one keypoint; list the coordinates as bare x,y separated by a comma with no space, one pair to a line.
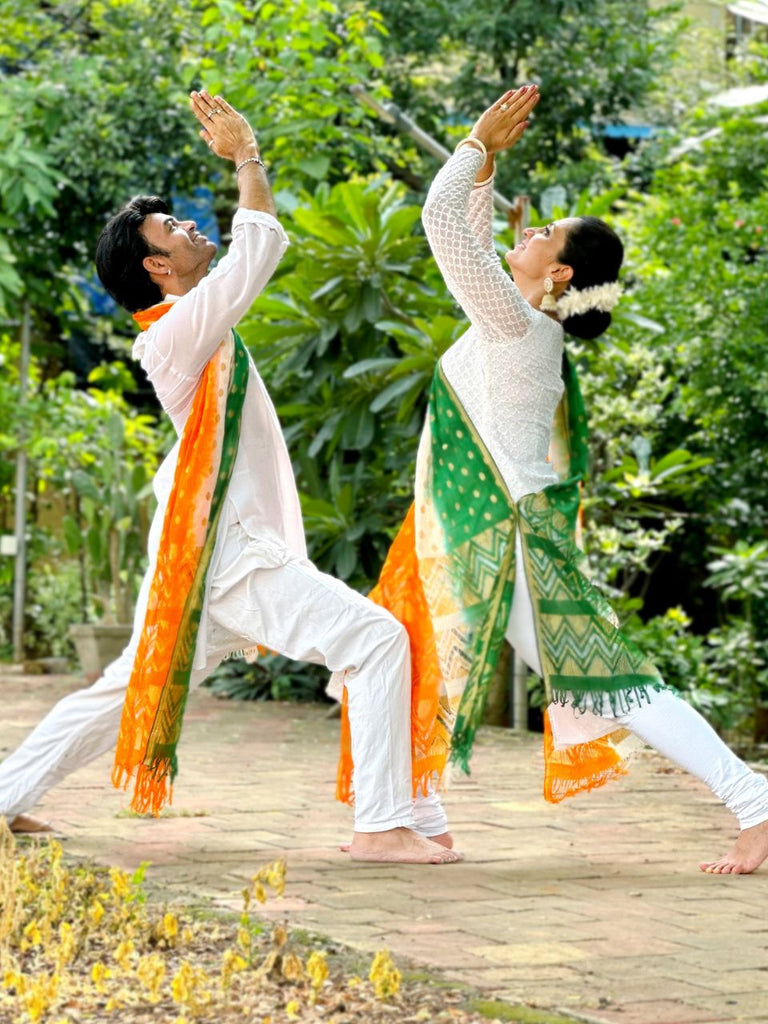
225,131
504,122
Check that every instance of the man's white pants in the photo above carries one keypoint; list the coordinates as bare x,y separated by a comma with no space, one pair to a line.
293,609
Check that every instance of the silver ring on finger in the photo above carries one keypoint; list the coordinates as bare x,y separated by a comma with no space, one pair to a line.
504,106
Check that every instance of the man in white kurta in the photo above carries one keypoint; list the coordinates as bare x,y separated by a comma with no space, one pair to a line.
260,586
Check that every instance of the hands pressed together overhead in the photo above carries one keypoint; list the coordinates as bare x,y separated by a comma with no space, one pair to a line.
224,130
502,124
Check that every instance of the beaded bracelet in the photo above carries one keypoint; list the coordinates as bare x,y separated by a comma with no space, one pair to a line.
250,160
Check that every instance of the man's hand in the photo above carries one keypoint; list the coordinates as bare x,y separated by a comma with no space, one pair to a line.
225,131
502,124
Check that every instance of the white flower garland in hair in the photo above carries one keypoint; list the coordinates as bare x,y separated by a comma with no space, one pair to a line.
575,302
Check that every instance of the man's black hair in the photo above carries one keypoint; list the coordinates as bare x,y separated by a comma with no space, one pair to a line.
120,254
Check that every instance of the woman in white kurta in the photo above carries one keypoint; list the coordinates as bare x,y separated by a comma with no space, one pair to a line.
463,574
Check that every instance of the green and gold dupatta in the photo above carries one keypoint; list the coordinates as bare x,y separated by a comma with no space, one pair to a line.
449,578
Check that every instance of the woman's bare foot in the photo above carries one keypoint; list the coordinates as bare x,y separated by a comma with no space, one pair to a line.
444,839
25,824
748,853
400,846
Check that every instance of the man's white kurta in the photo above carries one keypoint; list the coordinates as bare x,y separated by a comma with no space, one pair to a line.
174,352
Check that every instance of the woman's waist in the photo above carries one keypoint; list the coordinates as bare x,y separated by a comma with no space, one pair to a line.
526,477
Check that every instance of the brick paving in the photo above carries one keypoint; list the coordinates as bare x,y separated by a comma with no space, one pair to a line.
594,908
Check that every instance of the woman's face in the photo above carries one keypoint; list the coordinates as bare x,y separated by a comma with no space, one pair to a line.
537,255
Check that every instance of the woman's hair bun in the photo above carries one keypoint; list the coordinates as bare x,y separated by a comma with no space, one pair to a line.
587,326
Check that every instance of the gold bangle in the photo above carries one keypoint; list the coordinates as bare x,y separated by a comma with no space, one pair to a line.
472,141
485,181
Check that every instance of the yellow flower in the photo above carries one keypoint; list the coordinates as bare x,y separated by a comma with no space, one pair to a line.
232,963
276,876
151,971
317,969
15,980
292,1009
95,913
244,939
273,875
279,936
384,975
40,996
121,884
124,954
32,935
678,615
99,974
188,986
180,986
170,927
117,1001
293,968
66,950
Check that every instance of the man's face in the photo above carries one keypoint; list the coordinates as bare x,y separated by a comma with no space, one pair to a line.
189,252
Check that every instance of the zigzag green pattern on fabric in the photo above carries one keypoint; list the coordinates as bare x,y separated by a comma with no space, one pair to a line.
583,652
166,728
584,655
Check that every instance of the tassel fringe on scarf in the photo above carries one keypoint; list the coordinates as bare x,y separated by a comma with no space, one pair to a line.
154,706
449,578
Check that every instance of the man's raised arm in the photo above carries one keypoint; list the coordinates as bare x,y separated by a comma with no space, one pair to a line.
231,137
212,303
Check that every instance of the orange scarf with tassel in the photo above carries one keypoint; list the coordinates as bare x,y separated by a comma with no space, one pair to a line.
151,721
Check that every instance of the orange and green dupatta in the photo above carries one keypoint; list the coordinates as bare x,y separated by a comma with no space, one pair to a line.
152,715
449,578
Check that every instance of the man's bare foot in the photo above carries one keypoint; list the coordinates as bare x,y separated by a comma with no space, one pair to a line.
400,846
444,839
25,824
748,853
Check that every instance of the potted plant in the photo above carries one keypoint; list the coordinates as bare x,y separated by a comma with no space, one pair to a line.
106,531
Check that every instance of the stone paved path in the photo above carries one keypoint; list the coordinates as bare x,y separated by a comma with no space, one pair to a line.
595,907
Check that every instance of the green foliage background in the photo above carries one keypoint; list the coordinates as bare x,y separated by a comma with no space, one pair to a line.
347,335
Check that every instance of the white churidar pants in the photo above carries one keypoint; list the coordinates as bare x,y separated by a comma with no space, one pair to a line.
292,608
666,723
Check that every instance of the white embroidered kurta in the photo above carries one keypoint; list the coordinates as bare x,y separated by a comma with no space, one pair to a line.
506,368
506,372
174,351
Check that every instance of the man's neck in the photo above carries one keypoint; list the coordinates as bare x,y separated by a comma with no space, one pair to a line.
177,286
